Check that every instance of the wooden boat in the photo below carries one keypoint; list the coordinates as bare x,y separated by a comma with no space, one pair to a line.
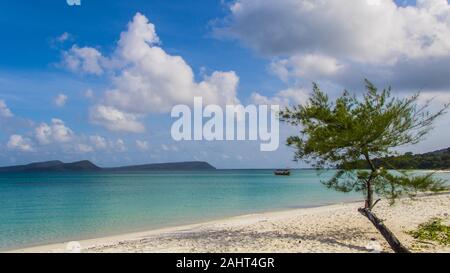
282,172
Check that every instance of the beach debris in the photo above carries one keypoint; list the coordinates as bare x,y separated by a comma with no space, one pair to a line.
73,247
374,247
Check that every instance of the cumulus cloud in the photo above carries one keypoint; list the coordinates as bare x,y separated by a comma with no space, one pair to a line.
58,41
307,66
85,59
4,110
362,30
63,37
83,148
287,97
142,145
60,100
58,138
154,81
99,142
345,41
57,131
19,143
120,145
89,94
147,79
116,120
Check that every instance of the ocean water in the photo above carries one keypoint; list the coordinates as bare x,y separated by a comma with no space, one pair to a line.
41,208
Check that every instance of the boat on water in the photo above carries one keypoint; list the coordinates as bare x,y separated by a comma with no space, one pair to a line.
282,172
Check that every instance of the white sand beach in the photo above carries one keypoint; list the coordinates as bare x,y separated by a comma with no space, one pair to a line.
335,228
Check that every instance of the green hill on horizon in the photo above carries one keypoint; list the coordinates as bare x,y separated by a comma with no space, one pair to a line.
436,160
87,166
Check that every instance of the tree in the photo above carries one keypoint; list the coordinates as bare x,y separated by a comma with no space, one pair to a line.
351,129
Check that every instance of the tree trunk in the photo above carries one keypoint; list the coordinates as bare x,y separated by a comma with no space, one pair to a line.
369,193
369,196
387,234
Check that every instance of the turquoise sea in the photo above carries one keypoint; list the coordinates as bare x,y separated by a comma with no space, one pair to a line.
41,208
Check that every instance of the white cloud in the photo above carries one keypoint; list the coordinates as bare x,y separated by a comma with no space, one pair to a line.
307,66
58,41
149,80
60,100
290,96
120,145
89,94
142,145
343,42
355,29
86,59
19,143
4,110
56,137
116,120
153,81
55,132
60,132
83,148
99,142
63,37
43,133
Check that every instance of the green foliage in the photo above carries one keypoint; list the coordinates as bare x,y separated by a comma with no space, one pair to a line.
433,230
394,185
434,160
352,129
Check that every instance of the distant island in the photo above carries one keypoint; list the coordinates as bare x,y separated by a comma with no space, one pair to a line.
87,166
436,160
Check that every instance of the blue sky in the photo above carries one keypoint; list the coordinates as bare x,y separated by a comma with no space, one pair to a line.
260,42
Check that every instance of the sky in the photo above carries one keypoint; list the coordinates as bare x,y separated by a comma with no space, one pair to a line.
97,81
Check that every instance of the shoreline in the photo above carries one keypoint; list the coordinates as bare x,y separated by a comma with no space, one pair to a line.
328,228
89,242
170,227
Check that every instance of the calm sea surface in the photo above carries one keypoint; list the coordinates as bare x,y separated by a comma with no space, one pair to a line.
40,208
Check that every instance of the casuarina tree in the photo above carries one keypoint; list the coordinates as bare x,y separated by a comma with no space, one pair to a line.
336,134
